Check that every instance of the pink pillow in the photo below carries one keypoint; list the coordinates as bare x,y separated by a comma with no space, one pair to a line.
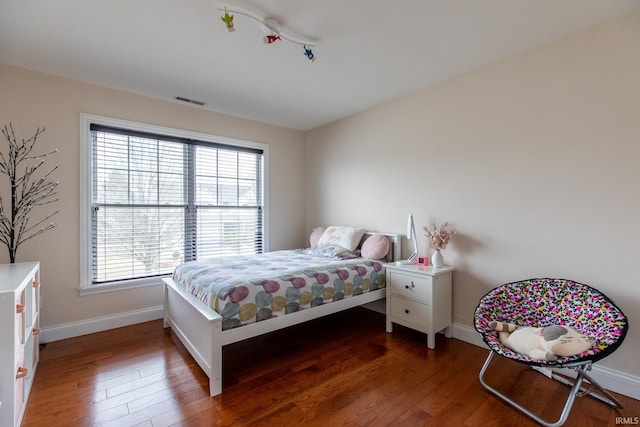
375,247
316,233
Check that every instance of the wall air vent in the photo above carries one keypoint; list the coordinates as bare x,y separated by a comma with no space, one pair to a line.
190,101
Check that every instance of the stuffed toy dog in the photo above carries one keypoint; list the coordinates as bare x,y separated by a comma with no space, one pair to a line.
542,343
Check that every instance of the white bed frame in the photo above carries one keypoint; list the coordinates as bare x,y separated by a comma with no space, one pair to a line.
200,329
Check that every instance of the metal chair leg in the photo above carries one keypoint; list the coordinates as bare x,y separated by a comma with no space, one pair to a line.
576,388
610,399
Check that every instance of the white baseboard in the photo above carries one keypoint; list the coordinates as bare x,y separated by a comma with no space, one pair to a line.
99,324
467,334
379,306
610,379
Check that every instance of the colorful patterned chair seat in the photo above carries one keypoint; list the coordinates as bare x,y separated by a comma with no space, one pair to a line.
544,302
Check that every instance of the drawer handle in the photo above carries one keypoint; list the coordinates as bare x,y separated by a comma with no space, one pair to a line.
412,285
36,331
22,372
36,284
19,308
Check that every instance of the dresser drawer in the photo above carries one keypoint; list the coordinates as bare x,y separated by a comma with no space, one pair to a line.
35,297
20,374
20,318
414,312
410,286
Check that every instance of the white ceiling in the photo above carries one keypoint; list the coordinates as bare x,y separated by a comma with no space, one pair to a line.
367,51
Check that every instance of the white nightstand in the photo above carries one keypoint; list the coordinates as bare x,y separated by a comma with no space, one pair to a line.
419,298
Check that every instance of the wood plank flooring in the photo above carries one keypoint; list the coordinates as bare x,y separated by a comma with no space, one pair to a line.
343,369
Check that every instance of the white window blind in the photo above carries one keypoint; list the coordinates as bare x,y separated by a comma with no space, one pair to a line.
161,200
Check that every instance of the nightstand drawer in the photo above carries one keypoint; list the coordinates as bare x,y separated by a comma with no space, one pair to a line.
404,310
411,286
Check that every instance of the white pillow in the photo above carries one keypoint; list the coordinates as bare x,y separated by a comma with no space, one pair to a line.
347,237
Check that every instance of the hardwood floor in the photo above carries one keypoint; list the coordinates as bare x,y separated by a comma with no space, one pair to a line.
343,369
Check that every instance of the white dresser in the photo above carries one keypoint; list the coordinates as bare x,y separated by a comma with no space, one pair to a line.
19,337
419,298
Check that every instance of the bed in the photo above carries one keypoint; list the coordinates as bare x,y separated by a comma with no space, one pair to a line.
262,293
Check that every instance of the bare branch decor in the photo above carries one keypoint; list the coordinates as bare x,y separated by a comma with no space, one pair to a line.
22,168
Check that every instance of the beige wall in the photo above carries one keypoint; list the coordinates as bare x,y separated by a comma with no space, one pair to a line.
535,159
29,100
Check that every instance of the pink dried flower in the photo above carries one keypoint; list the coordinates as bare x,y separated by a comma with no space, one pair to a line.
439,238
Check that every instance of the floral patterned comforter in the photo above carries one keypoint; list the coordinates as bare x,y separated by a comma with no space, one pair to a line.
247,289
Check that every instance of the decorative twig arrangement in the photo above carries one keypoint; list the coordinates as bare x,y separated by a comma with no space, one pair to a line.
22,167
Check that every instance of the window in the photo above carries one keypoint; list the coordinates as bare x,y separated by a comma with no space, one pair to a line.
157,197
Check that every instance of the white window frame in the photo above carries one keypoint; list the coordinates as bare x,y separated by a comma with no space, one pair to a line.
86,196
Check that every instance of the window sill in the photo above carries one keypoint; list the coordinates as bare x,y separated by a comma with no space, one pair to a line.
120,286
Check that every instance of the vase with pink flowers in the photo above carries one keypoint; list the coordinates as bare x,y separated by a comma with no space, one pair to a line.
438,240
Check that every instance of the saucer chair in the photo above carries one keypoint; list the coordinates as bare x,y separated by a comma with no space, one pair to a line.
544,302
